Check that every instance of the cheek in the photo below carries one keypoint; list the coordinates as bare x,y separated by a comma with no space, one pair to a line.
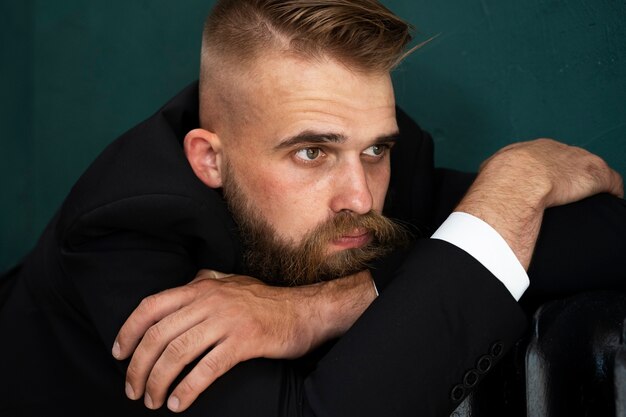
378,181
260,188
291,203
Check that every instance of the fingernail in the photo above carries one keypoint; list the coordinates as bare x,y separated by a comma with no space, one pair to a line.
116,350
148,401
129,391
173,403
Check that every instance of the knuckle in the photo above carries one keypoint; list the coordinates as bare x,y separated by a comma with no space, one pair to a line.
544,143
202,281
132,372
209,366
176,350
153,335
148,304
597,166
155,380
181,348
186,388
602,164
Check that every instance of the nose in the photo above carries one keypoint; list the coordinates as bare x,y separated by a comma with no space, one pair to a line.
351,191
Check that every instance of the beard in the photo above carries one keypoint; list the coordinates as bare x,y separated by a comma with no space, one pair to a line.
273,260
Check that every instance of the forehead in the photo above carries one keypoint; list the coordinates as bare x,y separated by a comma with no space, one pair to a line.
288,94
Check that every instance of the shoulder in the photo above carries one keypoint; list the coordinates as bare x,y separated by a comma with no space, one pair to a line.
142,183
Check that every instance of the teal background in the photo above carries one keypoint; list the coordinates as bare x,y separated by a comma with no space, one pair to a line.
75,74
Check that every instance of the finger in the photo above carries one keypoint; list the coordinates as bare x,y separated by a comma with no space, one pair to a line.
213,365
154,343
151,310
617,184
210,274
180,352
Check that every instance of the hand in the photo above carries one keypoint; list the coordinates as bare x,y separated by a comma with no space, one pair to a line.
562,174
517,183
237,318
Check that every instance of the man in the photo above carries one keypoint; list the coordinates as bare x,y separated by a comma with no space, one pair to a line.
296,121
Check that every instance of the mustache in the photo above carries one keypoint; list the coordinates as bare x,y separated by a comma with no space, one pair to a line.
386,236
381,229
280,263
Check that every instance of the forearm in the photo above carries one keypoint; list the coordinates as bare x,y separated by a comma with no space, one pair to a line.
518,183
516,215
240,318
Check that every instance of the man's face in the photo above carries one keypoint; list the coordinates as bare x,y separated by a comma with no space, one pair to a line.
311,146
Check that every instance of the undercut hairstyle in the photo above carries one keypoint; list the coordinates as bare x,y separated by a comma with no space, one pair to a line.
361,34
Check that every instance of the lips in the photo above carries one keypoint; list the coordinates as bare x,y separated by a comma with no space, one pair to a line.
356,239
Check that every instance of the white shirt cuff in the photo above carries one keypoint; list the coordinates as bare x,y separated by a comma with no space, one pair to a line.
481,241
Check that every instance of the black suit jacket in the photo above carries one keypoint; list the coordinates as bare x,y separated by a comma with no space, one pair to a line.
138,221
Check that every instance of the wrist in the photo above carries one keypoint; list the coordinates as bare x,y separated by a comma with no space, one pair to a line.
514,208
332,307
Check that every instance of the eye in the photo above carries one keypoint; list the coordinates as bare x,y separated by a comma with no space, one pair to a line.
376,150
309,154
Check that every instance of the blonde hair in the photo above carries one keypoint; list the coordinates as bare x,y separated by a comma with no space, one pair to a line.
362,34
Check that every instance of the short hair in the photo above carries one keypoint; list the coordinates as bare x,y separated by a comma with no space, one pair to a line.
361,34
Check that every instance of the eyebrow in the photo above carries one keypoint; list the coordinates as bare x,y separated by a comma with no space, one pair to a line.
312,138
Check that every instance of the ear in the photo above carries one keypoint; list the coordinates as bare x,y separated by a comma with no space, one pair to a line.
203,150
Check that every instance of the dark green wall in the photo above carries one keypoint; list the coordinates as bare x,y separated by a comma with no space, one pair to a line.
509,70
76,74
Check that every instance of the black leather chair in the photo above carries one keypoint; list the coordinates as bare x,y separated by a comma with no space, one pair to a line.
572,363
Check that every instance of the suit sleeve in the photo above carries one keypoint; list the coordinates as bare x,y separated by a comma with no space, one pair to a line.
410,353
117,254
419,349
438,328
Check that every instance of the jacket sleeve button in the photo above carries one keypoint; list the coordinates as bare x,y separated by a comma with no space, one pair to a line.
484,364
471,378
496,349
457,393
